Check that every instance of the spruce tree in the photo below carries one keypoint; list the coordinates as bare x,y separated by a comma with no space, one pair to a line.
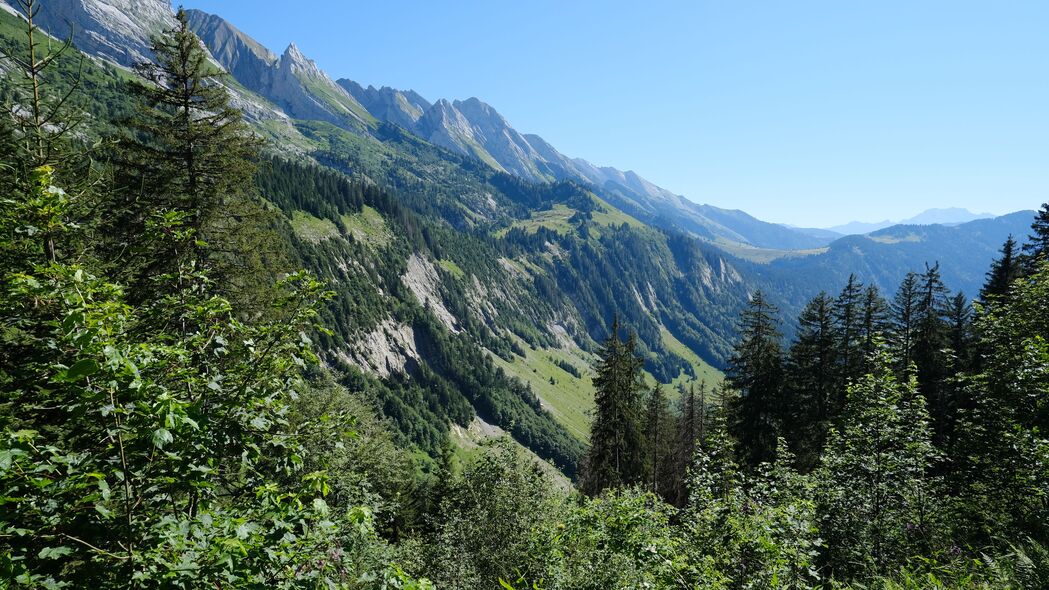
879,505
616,454
932,339
813,379
755,372
191,154
692,427
848,319
875,325
659,444
904,332
1037,246
1004,270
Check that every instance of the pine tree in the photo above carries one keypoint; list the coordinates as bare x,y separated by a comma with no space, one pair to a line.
1004,271
616,454
812,378
755,372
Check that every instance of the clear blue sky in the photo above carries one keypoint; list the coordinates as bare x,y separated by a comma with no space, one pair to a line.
804,112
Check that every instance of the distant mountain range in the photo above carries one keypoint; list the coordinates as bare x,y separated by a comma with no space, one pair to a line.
948,216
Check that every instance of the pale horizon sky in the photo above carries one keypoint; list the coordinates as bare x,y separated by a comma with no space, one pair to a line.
811,113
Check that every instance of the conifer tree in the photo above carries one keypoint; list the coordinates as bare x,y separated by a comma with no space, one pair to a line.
192,153
812,382
848,319
755,372
875,325
1037,246
932,339
904,333
659,443
1004,270
692,427
616,454
879,504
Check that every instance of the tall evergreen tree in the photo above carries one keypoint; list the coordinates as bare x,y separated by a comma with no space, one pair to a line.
616,454
755,372
691,430
878,501
1037,246
192,155
848,319
812,379
1004,270
659,444
932,341
875,325
904,333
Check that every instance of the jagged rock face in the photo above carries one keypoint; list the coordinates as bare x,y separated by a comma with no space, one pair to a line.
243,57
117,30
292,81
400,107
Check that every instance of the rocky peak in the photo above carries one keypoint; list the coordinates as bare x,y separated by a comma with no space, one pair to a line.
400,107
296,61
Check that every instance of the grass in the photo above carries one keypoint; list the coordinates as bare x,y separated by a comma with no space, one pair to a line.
368,226
703,370
452,268
569,399
555,219
468,441
312,229
762,255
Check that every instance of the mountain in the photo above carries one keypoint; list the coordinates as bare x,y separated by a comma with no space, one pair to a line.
948,216
115,30
292,81
859,227
964,253
402,108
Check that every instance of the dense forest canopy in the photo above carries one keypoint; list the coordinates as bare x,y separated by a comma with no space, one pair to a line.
179,406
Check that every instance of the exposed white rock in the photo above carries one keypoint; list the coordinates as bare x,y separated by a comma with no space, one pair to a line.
116,30
384,351
423,281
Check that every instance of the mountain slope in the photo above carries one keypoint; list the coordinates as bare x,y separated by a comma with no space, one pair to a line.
883,257
291,81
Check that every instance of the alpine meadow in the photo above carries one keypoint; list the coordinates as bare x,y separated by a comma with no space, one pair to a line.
261,328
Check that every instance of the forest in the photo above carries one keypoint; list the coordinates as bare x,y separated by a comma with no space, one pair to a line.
170,415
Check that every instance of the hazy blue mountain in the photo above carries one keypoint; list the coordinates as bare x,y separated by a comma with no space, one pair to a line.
884,257
859,227
948,216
